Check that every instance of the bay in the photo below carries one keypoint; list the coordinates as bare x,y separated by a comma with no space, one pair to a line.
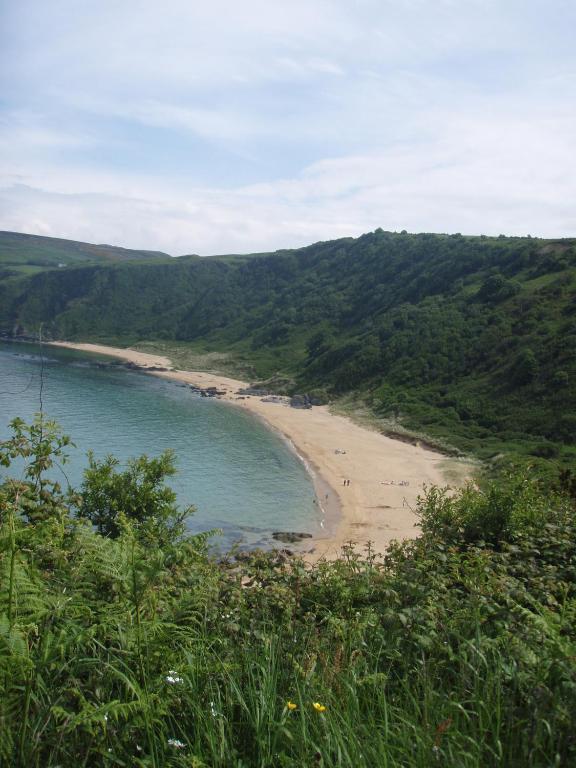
240,476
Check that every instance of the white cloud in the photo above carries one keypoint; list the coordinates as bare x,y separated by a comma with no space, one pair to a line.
439,116
477,175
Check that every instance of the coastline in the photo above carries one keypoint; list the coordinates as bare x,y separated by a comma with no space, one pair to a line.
385,475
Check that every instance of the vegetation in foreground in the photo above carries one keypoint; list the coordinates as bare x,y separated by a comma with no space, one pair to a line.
123,643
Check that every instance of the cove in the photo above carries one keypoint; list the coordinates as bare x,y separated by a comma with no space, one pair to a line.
241,477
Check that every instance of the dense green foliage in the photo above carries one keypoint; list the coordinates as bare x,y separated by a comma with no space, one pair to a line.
137,494
469,339
457,649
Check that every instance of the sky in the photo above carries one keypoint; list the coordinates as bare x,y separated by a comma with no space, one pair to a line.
235,126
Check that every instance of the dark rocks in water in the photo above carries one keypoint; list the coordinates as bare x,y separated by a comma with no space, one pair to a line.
290,537
209,391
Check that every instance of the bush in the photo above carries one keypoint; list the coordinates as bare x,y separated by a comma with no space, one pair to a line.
448,650
498,511
137,494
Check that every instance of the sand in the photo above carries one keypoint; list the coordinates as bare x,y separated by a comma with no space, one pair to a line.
375,506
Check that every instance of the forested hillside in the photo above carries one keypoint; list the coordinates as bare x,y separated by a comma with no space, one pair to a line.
468,339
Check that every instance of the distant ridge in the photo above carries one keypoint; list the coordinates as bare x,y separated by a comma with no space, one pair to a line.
31,253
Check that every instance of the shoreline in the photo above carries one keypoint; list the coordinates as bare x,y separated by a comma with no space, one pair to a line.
385,475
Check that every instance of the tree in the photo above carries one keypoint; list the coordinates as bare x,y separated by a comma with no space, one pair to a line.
41,446
526,367
497,288
319,343
138,493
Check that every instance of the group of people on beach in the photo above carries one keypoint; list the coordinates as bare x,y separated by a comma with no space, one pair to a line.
346,482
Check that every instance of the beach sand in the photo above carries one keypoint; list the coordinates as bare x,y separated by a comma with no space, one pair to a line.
374,506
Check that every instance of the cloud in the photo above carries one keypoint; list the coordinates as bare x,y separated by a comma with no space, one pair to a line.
484,174
226,126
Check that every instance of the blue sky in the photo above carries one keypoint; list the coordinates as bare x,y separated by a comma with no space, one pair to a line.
228,126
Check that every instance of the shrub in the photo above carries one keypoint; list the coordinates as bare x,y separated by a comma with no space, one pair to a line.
447,650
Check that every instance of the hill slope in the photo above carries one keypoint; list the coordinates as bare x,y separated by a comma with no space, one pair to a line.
472,340
27,254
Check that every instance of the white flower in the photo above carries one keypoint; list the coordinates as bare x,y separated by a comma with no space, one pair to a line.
213,710
173,677
176,743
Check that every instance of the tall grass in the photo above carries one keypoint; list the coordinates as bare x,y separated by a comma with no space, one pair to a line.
446,651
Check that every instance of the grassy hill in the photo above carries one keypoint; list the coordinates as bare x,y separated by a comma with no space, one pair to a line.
22,254
471,340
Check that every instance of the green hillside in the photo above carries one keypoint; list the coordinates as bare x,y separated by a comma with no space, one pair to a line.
28,254
471,340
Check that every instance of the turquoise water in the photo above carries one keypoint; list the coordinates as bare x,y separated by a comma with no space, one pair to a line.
240,476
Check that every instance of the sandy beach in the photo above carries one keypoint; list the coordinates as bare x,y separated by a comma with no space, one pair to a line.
385,475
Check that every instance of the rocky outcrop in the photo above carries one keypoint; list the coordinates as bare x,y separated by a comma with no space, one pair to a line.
290,537
300,401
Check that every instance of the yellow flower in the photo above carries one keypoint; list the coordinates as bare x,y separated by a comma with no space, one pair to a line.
319,707
291,706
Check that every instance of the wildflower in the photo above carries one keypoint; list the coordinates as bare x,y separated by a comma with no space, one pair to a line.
213,710
291,706
173,677
319,707
176,743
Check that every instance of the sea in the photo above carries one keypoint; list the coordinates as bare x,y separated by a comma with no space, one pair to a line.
241,477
